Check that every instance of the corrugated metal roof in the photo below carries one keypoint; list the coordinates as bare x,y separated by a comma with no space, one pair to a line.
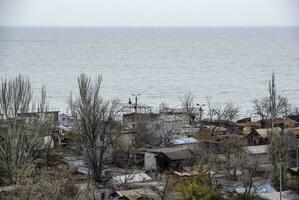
184,140
286,195
250,124
264,132
73,161
167,149
182,174
130,178
259,189
179,155
260,149
289,122
135,194
174,153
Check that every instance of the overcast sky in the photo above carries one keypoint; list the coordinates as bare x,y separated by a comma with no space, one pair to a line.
149,12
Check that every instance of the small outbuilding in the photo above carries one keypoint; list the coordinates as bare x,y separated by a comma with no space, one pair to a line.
168,158
257,157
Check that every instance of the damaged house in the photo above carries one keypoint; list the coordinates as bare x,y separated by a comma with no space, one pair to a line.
260,136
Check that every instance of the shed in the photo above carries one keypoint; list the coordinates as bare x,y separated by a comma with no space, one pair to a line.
168,158
257,156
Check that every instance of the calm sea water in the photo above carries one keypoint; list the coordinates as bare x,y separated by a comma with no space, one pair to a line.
227,64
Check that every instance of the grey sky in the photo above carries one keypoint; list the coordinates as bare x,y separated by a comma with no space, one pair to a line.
149,12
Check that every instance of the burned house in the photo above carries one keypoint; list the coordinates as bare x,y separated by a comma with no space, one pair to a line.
130,119
228,125
244,120
134,113
294,131
247,127
25,121
261,136
48,116
294,117
279,122
179,117
216,140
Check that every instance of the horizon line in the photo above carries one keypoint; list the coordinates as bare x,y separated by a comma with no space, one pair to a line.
154,26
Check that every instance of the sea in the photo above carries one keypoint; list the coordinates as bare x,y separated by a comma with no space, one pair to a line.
225,64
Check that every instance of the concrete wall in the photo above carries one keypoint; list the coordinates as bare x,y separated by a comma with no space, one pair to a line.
181,118
150,162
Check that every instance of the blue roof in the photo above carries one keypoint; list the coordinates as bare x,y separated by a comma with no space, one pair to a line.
264,188
184,140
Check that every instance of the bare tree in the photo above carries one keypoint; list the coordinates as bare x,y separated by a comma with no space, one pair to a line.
166,131
152,133
22,139
280,144
16,96
295,111
234,157
218,112
144,135
263,109
208,163
188,106
260,108
34,184
279,147
121,149
166,188
250,182
211,111
97,121
227,112
272,106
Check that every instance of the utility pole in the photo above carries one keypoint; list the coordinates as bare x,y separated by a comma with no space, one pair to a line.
136,105
136,98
